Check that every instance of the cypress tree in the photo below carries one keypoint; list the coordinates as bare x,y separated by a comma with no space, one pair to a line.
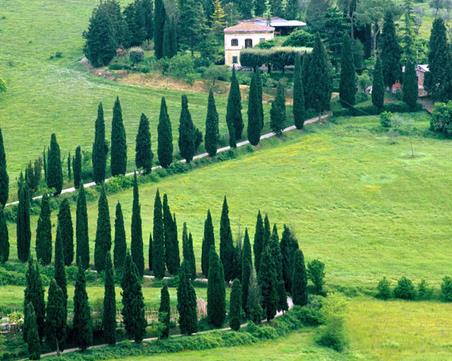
235,308
187,252
254,307
169,37
216,303
186,132
267,230
100,147
56,317
69,166
254,114
165,137
4,238
260,103
118,142
54,170
278,111
150,252
82,325
137,231
147,12
31,328
170,236
34,295
288,245
276,252
159,23
77,167
410,85
81,230
208,242
378,89
158,241
120,248
306,78
299,111
234,111
23,231
347,84
390,51
143,150
237,260
60,273
133,302
186,303
299,280
103,232
109,309
258,245
268,281
247,268
66,231
226,243
164,312
4,178
212,131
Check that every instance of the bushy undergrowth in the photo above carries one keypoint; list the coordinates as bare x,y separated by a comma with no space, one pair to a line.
368,109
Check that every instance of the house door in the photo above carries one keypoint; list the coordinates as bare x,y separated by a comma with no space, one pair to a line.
248,43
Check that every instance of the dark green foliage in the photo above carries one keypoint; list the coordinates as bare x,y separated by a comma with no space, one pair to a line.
405,289
378,88
441,120
288,245
333,335
134,18
150,252
81,230
191,26
188,253
186,303
316,273
299,280
278,111
158,241
82,325
23,231
235,305
60,273
247,269
267,230
120,246
165,137
298,94
34,295
237,260
268,281
347,85
383,289
254,308
234,111
56,317
410,85
159,23
212,132
103,232
208,242
216,293
172,257
277,260
77,167
137,231
143,151
133,302
186,132
226,243
446,289
109,304
54,170
148,14
31,330
255,116
69,167
66,231
169,37
424,292
118,142
4,178
390,51
258,245
164,312
100,147
4,238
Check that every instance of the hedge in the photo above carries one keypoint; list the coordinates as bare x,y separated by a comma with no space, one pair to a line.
369,109
273,57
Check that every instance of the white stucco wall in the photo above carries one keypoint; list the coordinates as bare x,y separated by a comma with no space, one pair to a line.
230,51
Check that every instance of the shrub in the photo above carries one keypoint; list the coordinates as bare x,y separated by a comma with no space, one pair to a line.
446,289
276,57
316,273
383,289
300,38
424,292
136,55
386,119
441,121
333,335
266,44
216,72
181,66
405,289
2,86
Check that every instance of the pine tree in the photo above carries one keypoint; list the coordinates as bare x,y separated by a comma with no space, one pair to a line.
77,167
254,114
134,19
226,243
81,230
143,150
378,89
82,325
288,245
34,295
298,94
133,302
118,142
158,241
277,260
347,84
170,235
137,231
54,170
56,317
247,269
208,242
4,178
212,132
159,23
60,272
258,245
23,231
235,308
164,312
66,231
120,246
255,311
109,309
103,232
216,303
278,111
31,330
100,147
268,280
186,303
186,132
299,280
218,20
165,137
192,25
390,51
410,85
44,233
246,9
234,111
187,252
4,238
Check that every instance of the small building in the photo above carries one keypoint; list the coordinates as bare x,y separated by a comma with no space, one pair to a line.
421,70
282,26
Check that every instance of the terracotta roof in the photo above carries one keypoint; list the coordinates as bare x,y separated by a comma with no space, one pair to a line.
246,27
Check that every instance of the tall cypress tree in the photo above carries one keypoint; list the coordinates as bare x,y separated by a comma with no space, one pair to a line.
288,245
159,23
103,232
109,309
187,252
165,137
254,307
34,295
298,94
208,242
169,37
164,312
258,245
212,131
137,231
69,166
31,330
4,238
234,111
81,230
54,170
278,111
390,51
60,273
143,150
82,324
66,231
158,241
378,89
23,231
277,259
100,147
347,84
120,246
254,114
186,303
247,268
260,103
186,132
150,252
299,280
4,178
235,307
226,243
77,167
44,233
267,230
170,235
56,317
216,303
410,85
268,280
118,142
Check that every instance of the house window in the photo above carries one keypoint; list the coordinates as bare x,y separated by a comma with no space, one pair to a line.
248,43
235,60
234,42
